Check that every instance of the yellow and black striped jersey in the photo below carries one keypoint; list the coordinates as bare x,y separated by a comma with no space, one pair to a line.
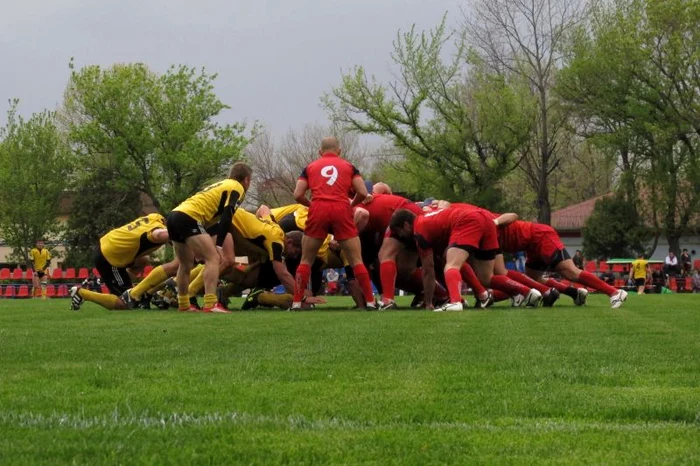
40,258
207,205
261,232
123,245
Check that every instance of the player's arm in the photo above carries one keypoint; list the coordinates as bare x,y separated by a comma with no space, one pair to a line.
361,217
159,236
300,190
443,204
505,219
358,185
226,218
275,250
428,266
263,212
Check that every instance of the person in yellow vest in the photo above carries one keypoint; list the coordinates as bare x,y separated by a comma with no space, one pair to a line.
187,226
640,271
123,248
41,259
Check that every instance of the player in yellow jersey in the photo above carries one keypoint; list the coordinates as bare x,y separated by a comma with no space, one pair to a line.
186,226
640,271
123,248
41,259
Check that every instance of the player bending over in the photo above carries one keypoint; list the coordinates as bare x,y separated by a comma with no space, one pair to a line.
123,248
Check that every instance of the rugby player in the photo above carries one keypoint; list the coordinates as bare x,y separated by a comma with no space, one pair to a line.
121,249
187,228
331,179
41,258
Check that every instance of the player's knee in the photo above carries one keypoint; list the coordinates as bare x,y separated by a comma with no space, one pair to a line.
568,270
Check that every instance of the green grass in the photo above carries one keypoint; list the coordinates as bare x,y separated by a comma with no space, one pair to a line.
546,386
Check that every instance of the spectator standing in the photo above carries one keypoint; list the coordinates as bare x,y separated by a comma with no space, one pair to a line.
640,270
332,277
671,264
696,281
686,262
520,261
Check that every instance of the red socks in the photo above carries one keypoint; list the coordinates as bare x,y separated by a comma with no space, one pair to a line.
453,279
560,287
387,275
503,283
591,281
499,295
301,281
471,279
527,281
362,277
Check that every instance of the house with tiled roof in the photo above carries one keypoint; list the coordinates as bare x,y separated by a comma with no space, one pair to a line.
569,223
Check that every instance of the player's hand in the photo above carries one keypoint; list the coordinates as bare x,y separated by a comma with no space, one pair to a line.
368,199
315,300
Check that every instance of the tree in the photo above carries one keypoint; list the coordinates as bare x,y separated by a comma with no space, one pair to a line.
524,38
634,78
454,119
160,130
34,169
100,203
277,165
616,230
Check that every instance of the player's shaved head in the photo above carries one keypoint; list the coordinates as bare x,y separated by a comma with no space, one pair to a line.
330,144
381,188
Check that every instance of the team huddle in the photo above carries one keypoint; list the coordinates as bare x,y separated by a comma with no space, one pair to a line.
378,237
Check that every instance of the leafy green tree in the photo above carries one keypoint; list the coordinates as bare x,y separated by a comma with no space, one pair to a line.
453,119
159,130
35,164
616,230
633,81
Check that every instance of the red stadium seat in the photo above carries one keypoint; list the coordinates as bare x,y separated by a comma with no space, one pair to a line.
104,289
70,274
23,292
618,268
590,266
29,275
17,274
57,274
10,291
62,291
5,274
83,273
50,291
696,264
604,266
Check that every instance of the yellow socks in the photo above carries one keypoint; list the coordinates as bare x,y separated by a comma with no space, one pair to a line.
183,302
196,285
195,272
209,301
107,301
273,299
153,279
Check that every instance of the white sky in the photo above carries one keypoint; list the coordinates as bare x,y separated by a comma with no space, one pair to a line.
275,58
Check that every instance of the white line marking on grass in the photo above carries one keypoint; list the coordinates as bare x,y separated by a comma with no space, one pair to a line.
173,420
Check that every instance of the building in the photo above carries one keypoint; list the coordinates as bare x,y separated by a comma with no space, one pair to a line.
569,222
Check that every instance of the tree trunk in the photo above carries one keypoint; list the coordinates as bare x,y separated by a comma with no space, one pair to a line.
674,244
544,208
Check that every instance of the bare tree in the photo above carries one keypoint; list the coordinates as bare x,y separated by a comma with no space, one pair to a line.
526,38
277,165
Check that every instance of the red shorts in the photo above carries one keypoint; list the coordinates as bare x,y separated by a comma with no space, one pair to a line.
546,250
476,232
334,218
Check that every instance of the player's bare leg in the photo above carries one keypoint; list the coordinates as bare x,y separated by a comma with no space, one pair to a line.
549,294
454,259
353,253
228,259
388,254
569,271
182,278
202,246
309,251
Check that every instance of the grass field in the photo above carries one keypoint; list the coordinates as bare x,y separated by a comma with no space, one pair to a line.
562,385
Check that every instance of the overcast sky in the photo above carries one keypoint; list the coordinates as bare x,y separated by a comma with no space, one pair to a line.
275,58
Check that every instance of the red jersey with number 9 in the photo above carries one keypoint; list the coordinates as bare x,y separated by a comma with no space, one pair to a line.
330,178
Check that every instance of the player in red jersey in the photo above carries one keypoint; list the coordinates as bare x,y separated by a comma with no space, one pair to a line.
331,179
459,233
545,251
372,219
